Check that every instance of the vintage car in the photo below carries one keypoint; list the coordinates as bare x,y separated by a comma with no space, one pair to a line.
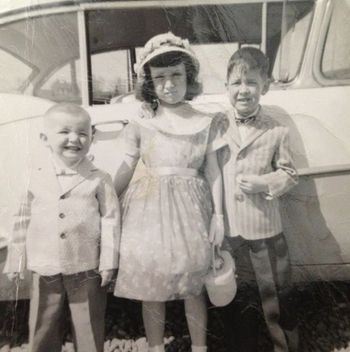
83,51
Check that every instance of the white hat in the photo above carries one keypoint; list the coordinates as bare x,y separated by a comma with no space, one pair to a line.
160,44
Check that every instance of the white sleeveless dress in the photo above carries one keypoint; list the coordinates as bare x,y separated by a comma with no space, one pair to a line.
164,250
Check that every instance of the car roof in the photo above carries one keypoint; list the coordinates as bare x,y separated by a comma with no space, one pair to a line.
11,7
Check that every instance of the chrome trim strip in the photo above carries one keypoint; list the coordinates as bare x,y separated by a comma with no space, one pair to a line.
324,171
44,8
263,27
84,58
110,122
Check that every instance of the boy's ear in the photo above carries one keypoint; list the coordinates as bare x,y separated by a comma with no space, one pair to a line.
93,132
266,86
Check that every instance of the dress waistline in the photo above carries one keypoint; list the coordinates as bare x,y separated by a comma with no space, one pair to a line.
167,171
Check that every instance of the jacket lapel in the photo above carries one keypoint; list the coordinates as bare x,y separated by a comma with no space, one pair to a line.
47,180
232,132
256,130
84,170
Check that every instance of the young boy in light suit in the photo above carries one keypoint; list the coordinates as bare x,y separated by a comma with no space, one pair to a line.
257,169
67,233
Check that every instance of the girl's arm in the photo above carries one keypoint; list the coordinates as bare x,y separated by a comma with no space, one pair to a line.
110,224
129,150
124,176
214,177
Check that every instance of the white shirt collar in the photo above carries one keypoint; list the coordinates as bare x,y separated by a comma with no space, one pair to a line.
62,169
240,117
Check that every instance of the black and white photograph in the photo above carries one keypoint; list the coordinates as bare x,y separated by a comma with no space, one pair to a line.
175,176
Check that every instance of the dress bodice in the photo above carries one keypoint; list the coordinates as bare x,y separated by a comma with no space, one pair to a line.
159,147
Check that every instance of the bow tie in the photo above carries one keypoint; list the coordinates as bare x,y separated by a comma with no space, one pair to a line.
245,121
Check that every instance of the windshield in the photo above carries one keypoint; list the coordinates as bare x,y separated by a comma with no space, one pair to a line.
37,57
15,73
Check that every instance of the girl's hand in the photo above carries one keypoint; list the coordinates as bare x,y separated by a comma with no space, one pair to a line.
106,276
252,184
216,232
15,276
146,111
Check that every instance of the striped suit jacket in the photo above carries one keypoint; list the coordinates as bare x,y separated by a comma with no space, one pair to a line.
264,152
66,230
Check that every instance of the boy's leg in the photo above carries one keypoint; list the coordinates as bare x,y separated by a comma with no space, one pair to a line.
287,296
265,263
46,306
242,316
87,304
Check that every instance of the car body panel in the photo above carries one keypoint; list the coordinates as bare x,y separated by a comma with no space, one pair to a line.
316,109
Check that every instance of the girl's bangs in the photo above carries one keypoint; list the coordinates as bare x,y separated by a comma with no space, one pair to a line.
171,58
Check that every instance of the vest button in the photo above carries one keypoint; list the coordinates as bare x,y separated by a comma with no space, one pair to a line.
61,215
63,235
239,197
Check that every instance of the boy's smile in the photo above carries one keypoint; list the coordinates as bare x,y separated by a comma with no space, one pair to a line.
245,88
69,137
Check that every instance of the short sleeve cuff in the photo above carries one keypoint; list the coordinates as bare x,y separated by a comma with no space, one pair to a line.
216,145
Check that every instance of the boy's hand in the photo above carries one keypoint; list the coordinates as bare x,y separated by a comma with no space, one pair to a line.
216,231
106,276
252,184
15,276
146,111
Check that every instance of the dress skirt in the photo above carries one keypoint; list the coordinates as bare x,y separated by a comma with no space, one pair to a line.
165,251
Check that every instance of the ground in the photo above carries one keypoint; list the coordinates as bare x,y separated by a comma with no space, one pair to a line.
323,314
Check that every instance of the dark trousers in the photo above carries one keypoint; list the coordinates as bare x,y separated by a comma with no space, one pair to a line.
87,304
263,270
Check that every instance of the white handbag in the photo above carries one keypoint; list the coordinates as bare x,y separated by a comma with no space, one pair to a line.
220,282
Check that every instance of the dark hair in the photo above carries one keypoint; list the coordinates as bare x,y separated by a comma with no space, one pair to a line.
249,58
145,88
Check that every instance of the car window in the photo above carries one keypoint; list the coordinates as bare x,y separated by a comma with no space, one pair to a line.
42,50
213,59
15,73
335,61
63,85
215,32
111,75
285,47
45,60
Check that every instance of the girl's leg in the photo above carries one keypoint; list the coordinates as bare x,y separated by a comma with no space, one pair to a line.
153,314
196,315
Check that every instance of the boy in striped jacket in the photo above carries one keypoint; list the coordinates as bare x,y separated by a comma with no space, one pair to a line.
257,169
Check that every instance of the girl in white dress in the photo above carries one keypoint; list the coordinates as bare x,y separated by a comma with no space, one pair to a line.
173,214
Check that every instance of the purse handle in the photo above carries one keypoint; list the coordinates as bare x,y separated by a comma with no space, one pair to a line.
216,254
